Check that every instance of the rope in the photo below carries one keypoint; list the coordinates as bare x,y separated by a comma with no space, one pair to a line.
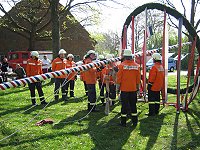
20,129
78,120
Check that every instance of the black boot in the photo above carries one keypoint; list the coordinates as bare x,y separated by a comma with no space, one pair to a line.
123,121
33,101
151,110
56,97
134,120
71,93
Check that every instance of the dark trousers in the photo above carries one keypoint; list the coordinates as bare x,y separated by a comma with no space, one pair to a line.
85,87
38,86
4,77
101,88
58,84
70,84
112,93
128,100
154,102
91,96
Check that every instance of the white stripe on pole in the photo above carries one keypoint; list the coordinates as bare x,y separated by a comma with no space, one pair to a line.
179,63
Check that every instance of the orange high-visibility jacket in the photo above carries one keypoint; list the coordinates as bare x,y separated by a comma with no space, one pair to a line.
33,67
107,74
59,64
70,64
90,75
156,77
128,76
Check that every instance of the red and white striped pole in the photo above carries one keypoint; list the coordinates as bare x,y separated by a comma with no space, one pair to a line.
179,64
165,48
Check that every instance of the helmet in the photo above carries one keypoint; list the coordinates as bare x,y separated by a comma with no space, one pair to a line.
127,52
91,52
109,56
62,51
70,55
35,53
101,57
157,56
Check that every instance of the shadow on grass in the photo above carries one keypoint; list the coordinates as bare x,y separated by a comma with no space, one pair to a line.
151,127
194,143
175,133
105,135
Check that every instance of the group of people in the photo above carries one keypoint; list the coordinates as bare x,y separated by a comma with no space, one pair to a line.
34,67
123,78
114,79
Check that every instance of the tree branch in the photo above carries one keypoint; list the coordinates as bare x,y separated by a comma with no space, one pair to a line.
43,15
197,24
44,26
183,8
14,31
14,23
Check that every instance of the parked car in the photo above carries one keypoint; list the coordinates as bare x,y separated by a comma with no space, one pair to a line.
171,64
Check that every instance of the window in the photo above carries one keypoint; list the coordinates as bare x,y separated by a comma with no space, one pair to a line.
170,60
14,56
24,55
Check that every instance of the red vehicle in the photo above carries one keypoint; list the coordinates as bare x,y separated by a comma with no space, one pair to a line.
21,57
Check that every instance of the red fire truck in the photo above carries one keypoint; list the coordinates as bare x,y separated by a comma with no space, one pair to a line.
21,57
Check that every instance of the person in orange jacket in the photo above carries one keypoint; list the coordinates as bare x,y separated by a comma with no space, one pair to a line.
90,79
128,80
59,63
100,80
34,67
72,76
155,85
82,78
109,77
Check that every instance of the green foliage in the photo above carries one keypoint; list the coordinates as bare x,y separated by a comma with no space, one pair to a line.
106,42
168,130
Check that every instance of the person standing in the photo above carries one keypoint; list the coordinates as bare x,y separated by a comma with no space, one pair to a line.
46,63
100,80
155,85
109,76
4,68
128,80
34,67
59,63
90,79
82,77
72,76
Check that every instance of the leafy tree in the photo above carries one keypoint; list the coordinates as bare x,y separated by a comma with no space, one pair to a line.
106,42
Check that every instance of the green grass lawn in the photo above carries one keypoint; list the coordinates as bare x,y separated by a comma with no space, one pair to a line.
96,131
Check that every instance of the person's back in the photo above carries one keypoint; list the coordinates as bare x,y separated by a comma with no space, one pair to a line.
20,71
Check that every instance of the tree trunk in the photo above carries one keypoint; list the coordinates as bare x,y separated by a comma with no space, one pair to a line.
32,39
55,27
